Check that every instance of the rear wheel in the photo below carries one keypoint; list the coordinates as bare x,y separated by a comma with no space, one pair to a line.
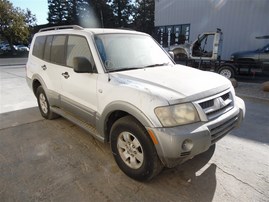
43,104
226,71
133,150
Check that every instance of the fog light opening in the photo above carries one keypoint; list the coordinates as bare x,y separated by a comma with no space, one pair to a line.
187,145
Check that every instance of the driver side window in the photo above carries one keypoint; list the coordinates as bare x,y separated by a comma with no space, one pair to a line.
77,46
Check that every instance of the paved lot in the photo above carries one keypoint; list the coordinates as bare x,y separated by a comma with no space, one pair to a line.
42,160
14,93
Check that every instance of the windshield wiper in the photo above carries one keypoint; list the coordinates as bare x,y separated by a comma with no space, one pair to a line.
124,69
158,64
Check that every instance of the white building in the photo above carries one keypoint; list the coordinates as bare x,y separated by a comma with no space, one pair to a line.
241,21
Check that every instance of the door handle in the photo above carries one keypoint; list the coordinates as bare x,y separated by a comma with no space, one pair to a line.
65,75
44,67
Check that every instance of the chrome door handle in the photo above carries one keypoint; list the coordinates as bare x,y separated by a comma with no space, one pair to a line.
44,67
65,75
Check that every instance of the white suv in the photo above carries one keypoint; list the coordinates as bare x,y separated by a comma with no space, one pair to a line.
123,88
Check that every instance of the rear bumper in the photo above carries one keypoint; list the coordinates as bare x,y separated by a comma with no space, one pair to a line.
178,144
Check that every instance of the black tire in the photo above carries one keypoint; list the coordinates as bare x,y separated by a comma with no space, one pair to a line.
43,104
226,71
128,137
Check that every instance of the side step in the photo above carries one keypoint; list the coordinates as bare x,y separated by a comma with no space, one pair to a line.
89,128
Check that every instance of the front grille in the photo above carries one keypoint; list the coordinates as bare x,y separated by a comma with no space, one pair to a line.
217,132
226,96
215,106
207,104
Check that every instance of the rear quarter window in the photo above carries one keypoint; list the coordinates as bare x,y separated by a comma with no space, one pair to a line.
38,49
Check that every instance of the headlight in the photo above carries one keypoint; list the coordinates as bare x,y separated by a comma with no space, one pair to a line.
177,114
232,57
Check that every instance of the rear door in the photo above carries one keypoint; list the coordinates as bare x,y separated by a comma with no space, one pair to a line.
54,61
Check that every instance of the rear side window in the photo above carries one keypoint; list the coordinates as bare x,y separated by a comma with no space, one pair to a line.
57,54
77,46
38,49
47,48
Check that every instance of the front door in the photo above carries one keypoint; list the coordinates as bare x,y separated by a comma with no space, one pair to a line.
78,95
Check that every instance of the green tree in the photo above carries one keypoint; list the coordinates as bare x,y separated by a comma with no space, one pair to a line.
59,12
103,12
15,23
123,11
144,16
87,13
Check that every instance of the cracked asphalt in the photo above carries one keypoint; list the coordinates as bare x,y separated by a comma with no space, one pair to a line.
54,160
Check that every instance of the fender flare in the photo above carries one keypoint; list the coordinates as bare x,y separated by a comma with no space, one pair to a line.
125,107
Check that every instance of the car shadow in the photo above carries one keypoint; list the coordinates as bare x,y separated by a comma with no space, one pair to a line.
194,180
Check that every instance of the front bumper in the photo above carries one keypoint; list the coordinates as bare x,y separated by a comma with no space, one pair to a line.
172,148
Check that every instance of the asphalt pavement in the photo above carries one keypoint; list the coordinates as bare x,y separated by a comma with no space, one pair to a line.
54,160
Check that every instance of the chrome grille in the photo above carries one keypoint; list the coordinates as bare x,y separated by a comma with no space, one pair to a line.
217,105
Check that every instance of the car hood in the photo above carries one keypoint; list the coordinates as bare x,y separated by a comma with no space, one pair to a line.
175,83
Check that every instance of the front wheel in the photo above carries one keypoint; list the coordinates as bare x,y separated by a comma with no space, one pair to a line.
226,71
133,150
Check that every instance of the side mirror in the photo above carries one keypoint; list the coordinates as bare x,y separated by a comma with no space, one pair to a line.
172,55
82,65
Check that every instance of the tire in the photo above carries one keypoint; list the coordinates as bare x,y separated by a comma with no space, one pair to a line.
226,71
133,149
43,104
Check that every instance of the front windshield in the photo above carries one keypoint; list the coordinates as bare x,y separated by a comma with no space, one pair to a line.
129,51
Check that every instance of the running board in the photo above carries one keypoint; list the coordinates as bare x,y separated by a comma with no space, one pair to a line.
89,128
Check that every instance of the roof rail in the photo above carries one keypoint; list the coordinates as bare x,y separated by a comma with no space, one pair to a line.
76,27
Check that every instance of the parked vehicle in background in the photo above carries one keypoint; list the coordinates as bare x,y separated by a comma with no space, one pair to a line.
205,54
252,61
6,48
22,48
153,112
207,46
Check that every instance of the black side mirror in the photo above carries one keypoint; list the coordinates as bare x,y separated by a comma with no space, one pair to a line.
82,65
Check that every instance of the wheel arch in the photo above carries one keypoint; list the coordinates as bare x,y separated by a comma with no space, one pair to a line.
117,110
37,81
229,65
35,85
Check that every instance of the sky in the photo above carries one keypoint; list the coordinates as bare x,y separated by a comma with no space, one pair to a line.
38,7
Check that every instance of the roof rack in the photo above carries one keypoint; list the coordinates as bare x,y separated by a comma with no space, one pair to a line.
76,27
